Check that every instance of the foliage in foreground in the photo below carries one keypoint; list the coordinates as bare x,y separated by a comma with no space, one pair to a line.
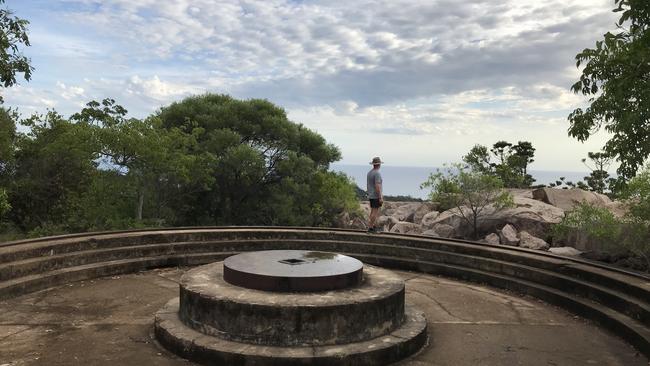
630,233
601,228
13,34
207,160
473,193
616,75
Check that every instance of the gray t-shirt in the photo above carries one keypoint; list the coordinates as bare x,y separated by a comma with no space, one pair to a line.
373,178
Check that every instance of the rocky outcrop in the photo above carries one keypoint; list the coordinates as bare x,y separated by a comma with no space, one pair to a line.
424,209
403,227
508,235
441,231
532,242
492,238
386,222
455,219
566,199
406,212
524,224
429,219
530,215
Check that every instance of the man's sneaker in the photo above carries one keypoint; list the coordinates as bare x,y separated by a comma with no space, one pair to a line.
379,230
371,230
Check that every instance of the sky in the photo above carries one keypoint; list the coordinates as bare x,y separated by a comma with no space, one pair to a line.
417,83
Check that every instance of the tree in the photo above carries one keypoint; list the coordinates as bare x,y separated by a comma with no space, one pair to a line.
637,195
264,167
471,192
7,140
617,77
4,204
520,159
511,165
599,179
148,156
13,33
54,163
478,159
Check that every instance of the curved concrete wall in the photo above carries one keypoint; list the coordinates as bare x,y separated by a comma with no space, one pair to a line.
616,299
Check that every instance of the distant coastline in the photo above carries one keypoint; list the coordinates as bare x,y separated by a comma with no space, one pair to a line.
403,180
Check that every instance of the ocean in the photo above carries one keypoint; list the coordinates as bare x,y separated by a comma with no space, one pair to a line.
405,181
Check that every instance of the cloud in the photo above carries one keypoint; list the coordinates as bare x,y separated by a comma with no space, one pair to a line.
310,53
402,72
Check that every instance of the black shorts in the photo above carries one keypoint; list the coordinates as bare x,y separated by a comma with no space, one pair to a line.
375,203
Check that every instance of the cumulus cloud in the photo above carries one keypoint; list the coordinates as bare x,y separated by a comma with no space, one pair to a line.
307,53
418,70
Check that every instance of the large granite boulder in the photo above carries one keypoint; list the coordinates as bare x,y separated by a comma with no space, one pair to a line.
529,215
404,227
386,222
532,242
423,210
492,238
406,211
508,235
441,231
455,219
566,199
428,220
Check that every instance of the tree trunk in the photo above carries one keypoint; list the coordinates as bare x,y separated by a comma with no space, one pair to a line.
138,214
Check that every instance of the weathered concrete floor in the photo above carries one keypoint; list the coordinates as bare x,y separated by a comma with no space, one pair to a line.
108,322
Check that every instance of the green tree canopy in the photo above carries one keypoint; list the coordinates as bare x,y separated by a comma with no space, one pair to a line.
511,165
259,156
13,33
471,192
617,77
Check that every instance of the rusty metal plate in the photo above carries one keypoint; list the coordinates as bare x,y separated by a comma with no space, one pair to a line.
292,271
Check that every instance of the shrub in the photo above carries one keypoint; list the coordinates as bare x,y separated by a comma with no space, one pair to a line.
599,226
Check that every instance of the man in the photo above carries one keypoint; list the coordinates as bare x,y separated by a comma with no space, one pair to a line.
375,195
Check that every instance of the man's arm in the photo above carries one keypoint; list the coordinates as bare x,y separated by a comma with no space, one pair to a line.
378,190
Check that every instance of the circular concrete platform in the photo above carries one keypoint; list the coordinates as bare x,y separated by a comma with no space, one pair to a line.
215,307
108,321
175,336
292,270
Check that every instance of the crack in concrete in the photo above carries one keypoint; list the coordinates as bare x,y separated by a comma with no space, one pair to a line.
439,304
17,332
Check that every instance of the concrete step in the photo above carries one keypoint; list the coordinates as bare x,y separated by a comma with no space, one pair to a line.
627,328
612,297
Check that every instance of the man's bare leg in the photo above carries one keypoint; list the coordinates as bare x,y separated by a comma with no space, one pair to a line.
374,213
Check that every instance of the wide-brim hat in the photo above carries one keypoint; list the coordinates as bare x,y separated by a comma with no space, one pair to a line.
376,160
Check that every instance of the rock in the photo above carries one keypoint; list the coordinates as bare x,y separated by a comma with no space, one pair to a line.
444,231
358,223
427,221
508,235
386,222
533,216
406,211
454,219
521,192
618,208
492,238
403,227
566,199
566,251
430,232
422,211
531,242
